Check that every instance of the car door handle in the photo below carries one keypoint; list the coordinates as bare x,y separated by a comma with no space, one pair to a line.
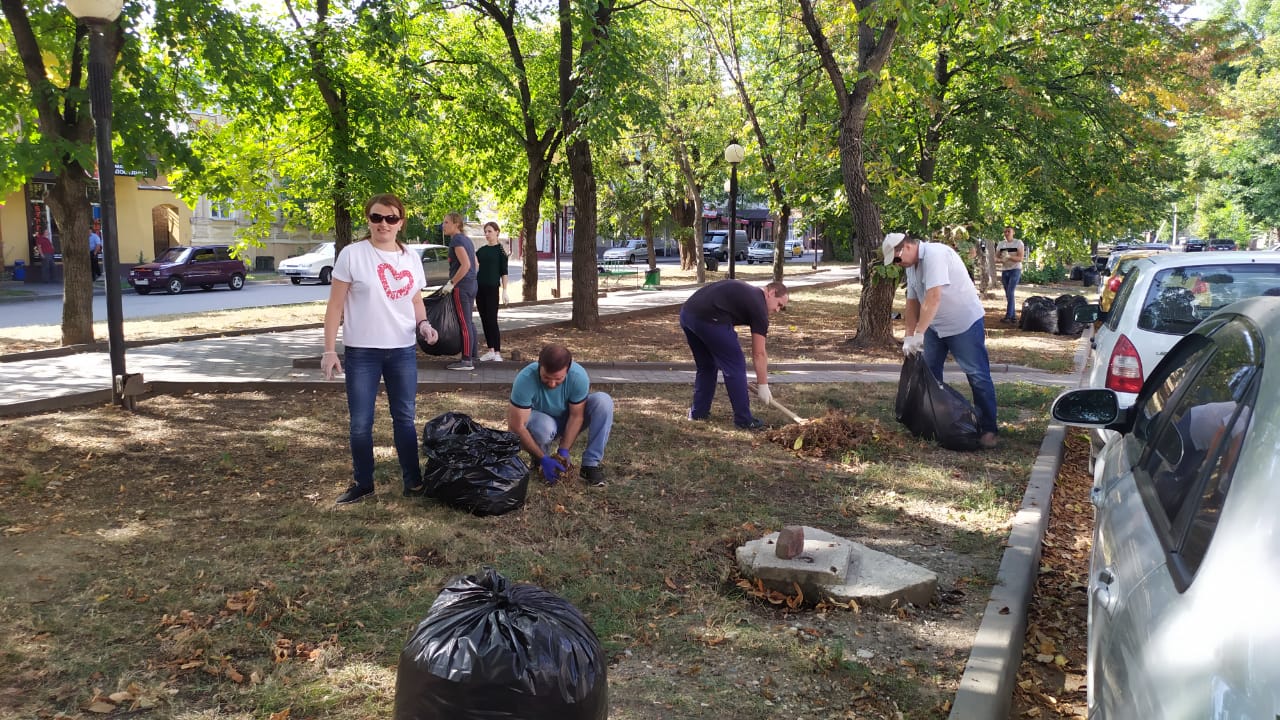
1103,595
1095,496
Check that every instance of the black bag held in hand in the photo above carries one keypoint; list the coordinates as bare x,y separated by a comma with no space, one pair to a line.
472,467
444,318
493,650
932,409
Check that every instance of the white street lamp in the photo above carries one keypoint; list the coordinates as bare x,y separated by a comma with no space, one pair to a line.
733,154
97,14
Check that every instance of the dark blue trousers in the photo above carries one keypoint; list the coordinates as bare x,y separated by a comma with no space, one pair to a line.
715,347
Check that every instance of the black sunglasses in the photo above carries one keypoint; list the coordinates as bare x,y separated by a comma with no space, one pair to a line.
376,218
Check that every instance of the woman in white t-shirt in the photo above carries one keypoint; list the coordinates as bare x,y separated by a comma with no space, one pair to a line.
377,298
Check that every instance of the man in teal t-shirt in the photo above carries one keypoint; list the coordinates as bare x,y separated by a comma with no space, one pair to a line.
551,399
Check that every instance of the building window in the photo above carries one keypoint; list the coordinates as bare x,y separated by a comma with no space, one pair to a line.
220,209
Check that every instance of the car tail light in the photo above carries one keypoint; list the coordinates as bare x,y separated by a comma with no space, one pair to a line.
1124,370
1114,283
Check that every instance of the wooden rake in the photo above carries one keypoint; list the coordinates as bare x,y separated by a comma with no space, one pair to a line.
785,410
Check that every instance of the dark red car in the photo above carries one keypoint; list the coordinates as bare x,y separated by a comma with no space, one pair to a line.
180,267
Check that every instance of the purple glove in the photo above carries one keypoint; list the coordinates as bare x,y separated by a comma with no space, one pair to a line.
551,468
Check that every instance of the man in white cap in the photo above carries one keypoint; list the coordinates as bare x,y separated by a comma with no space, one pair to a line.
944,315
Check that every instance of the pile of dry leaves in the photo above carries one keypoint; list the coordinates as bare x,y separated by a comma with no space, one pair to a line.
831,436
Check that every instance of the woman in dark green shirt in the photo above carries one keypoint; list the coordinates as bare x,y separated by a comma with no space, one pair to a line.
492,258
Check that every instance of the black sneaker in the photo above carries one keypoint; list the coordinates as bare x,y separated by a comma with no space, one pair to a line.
755,424
418,490
354,494
691,416
461,365
592,475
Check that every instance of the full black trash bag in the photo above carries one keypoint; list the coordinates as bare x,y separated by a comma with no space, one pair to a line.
1089,277
1039,314
444,318
472,467
493,650
1067,305
931,409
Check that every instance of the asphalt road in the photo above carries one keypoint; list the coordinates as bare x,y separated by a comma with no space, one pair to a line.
48,311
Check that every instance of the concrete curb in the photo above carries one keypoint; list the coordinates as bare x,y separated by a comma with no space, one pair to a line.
986,689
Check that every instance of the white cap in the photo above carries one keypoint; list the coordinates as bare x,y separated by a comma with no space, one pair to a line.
890,246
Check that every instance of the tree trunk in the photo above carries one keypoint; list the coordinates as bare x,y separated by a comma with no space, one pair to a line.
586,279
780,240
69,203
536,186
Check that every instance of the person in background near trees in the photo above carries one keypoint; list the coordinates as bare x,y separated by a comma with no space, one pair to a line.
462,285
45,246
376,297
944,314
551,398
1009,254
95,251
490,279
708,318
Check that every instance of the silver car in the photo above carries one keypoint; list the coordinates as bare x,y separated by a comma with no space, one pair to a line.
761,251
1184,577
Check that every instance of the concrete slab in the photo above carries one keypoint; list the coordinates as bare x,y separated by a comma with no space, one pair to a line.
838,569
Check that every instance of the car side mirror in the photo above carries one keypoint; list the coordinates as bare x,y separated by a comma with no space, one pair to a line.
1089,314
1090,407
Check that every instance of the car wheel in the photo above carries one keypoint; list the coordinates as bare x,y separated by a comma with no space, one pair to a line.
206,286
175,285
142,290
296,281
326,275
751,261
236,282
631,260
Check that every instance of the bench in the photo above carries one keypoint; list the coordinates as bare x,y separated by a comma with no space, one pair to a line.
613,272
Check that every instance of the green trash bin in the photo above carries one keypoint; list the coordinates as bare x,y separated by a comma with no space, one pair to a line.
652,278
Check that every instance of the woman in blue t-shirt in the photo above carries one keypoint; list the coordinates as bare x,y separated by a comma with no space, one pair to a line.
462,284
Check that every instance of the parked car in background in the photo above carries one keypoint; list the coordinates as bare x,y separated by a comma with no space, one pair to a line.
1118,266
1184,573
794,248
629,251
1163,298
716,244
181,267
761,251
1195,245
1222,245
435,262
314,264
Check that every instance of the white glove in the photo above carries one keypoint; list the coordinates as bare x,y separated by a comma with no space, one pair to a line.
764,393
505,301
447,287
330,364
913,344
428,333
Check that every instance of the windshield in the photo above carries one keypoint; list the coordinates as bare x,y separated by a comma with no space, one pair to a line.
324,248
1179,298
174,255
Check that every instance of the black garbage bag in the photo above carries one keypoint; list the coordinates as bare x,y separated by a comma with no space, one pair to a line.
931,409
444,318
1067,305
472,467
1076,271
493,650
1089,277
1039,314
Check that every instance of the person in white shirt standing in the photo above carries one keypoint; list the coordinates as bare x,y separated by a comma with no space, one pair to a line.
944,315
1009,254
376,297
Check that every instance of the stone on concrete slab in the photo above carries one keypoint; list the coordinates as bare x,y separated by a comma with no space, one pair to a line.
834,568
790,542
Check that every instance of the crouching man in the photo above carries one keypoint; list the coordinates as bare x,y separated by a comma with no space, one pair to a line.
551,400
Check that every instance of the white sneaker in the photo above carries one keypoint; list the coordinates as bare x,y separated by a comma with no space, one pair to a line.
490,356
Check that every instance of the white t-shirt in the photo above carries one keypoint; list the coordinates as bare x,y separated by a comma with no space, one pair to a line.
1013,246
379,311
940,266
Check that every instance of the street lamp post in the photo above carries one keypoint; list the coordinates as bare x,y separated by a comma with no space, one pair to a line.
97,14
733,155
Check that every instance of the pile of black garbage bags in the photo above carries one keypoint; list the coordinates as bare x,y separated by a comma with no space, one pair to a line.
1047,315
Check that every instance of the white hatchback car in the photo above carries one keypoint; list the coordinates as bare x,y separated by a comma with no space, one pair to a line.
1184,571
314,264
1162,299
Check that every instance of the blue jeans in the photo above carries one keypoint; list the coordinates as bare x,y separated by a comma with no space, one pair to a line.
597,420
398,368
1009,279
715,347
969,348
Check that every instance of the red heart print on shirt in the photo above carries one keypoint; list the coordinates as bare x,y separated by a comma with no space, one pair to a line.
391,278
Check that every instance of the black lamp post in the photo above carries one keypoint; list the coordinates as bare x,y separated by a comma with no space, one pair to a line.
733,155
97,14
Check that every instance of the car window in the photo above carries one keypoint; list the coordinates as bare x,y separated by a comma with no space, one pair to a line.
173,255
204,255
1122,299
1185,472
1179,298
221,253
